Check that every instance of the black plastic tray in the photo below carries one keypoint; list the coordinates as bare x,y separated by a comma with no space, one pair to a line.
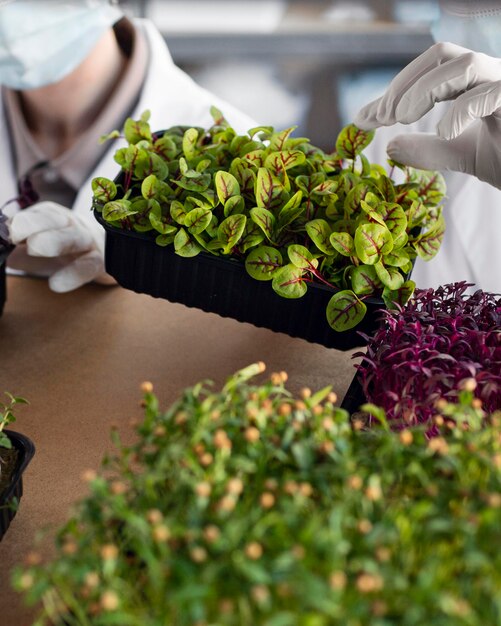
11,496
354,397
3,286
220,285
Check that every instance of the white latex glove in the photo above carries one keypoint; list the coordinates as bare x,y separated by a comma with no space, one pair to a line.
52,230
468,137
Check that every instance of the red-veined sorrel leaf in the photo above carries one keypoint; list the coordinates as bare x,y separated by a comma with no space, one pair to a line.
226,186
320,232
230,231
288,282
345,310
262,262
342,243
364,280
371,241
352,140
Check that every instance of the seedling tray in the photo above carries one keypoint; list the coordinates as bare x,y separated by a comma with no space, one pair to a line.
3,286
11,496
354,397
4,253
221,285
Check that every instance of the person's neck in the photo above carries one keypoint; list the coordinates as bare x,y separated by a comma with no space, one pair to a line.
59,113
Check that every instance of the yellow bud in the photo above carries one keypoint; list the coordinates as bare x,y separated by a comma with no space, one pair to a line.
203,489
118,488
267,500
468,384
355,482
364,526
260,593
235,486
161,533
406,437
206,459
254,550
332,397
110,601
305,393
338,580
92,580
198,554
252,434
160,431
154,516
26,581
109,552
89,475
211,533
261,366
147,387
369,583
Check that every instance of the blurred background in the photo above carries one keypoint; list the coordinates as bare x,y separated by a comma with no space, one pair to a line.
310,63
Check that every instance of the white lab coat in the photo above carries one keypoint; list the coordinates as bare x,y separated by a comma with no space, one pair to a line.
471,247
171,96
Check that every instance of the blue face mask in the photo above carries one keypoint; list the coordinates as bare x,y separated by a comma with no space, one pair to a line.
481,33
42,41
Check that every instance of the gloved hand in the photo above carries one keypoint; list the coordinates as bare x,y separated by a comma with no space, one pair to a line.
52,230
468,137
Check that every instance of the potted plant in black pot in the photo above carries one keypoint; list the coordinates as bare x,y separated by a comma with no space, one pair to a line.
16,451
334,235
423,352
251,507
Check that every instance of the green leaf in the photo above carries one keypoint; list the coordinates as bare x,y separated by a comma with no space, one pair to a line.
320,232
288,282
416,214
400,296
345,311
150,163
136,130
342,243
372,213
385,185
352,140
190,139
428,243
397,258
117,210
230,231
104,189
148,187
265,220
166,148
252,236
165,240
266,130
255,157
284,160
301,257
226,186
372,241
355,196
262,262
235,204
267,188
278,140
431,186
364,280
394,217
159,221
178,212
197,220
184,245
291,210
199,183
391,277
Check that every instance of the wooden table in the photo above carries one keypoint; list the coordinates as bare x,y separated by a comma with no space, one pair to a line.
79,359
